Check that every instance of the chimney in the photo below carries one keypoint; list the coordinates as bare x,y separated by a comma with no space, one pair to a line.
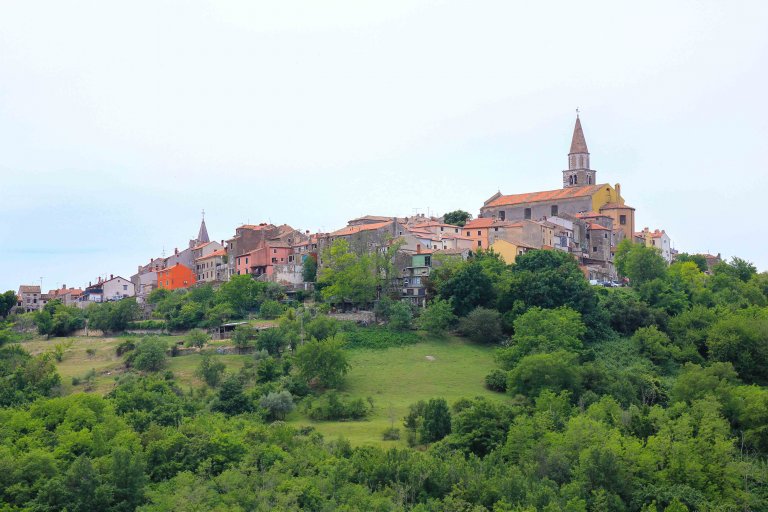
618,189
176,251
63,287
111,276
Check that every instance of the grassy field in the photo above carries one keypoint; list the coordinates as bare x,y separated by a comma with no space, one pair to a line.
398,377
394,378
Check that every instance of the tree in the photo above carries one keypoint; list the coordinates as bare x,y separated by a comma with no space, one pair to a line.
437,318
149,355
543,330
697,259
211,370
278,405
655,344
737,267
400,316
626,312
323,363
243,336
555,371
457,217
639,263
272,340
309,269
242,293
321,327
113,316
231,399
482,326
128,479
7,302
437,421
197,338
347,276
742,339
270,309
468,288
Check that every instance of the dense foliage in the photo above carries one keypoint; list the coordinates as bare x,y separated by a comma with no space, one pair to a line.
649,398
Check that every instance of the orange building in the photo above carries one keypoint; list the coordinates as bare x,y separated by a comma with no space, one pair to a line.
175,277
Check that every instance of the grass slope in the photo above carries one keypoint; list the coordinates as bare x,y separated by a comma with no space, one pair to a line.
398,377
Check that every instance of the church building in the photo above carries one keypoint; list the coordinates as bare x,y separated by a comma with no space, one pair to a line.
581,194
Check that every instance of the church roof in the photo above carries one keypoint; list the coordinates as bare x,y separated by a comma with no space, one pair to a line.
548,195
202,236
578,143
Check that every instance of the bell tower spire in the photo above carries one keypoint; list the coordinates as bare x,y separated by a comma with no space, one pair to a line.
202,235
578,173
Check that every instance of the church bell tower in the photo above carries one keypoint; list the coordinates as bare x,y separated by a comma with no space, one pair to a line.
578,173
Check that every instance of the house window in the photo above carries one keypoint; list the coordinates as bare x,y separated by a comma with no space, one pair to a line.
427,260
527,213
479,243
623,220
553,210
575,180
594,248
605,235
495,229
467,233
502,215
125,287
478,233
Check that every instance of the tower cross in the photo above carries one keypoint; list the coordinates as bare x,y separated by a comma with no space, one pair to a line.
203,212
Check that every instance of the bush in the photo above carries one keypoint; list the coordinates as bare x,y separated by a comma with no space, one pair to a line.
482,326
278,405
270,309
323,363
149,325
125,346
400,316
496,381
391,434
197,338
437,318
330,407
211,370
149,355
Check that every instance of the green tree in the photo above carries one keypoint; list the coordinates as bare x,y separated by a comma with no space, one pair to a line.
197,338
272,340
437,421
242,293
543,330
113,316
437,317
128,479
468,288
270,309
655,344
347,276
149,355
309,269
7,302
278,405
742,339
231,398
555,371
697,259
639,263
323,363
457,217
482,326
211,370
737,267
401,316
243,337
321,327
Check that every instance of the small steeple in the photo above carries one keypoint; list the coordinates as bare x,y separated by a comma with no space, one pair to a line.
578,173
202,236
578,143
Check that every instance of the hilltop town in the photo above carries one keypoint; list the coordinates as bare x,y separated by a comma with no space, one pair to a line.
585,218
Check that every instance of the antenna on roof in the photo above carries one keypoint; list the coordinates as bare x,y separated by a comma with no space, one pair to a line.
41,284
203,212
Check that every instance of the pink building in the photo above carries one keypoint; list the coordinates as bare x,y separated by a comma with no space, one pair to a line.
261,261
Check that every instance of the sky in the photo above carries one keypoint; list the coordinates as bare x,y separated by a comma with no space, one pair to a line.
121,121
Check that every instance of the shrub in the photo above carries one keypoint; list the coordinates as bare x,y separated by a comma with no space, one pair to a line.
197,338
437,318
270,309
482,326
330,407
400,316
323,362
391,434
277,404
496,381
149,355
211,370
125,346
378,337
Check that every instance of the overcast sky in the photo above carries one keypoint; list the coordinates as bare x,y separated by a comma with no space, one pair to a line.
121,121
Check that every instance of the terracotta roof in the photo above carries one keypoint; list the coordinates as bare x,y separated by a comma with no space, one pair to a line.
25,288
598,227
548,195
450,251
351,230
254,227
201,245
578,143
614,206
219,252
588,215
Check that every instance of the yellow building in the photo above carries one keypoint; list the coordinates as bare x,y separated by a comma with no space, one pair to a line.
510,250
